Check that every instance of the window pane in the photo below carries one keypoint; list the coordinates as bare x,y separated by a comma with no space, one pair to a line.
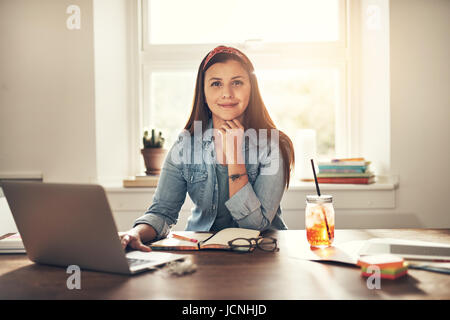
171,99
295,99
303,99
231,21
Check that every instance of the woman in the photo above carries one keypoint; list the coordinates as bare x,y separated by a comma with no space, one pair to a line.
243,182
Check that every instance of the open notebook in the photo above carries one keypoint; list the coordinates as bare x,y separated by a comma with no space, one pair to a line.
217,240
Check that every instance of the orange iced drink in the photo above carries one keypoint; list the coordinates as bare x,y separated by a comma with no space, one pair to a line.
319,221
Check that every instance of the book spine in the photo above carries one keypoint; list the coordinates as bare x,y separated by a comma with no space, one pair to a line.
339,170
344,163
332,167
349,167
347,159
215,246
185,248
345,175
140,183
344,180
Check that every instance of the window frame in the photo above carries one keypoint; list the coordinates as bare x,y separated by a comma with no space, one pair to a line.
337,54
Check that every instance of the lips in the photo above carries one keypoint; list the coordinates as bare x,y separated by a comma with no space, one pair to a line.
228,105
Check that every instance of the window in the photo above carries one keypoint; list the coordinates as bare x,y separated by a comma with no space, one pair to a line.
298,48
209,21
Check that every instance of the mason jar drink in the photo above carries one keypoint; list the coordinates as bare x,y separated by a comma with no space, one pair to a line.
319,220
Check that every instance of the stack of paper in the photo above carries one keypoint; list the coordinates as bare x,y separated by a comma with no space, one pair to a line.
388,266
12,244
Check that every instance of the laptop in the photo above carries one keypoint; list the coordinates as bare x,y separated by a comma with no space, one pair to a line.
72,224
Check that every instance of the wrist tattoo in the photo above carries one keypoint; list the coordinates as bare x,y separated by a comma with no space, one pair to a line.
237,176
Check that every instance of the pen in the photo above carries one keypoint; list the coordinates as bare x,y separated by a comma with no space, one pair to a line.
184,238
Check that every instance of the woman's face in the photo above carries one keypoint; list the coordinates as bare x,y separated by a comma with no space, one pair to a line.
227,90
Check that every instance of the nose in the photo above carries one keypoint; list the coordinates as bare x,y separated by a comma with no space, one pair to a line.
227,92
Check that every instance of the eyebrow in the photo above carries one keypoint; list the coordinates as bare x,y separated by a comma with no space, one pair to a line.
215,78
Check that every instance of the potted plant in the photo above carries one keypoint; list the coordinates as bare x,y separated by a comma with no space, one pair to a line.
153,152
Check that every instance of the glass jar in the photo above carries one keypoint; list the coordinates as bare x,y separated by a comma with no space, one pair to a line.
319,220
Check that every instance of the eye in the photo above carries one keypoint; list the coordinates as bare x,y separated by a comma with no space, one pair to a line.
238,83
215,84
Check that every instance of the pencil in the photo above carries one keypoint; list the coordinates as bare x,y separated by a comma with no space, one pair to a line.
184,238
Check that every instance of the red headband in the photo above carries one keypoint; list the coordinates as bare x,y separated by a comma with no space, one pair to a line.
223,49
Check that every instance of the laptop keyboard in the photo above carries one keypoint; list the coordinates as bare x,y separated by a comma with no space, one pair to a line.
136,262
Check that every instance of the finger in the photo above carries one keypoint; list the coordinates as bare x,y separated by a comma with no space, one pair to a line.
238,123
223,132
227,124
140,246
144,248
125,241
231,124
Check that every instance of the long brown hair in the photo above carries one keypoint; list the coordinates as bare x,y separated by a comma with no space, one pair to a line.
256,115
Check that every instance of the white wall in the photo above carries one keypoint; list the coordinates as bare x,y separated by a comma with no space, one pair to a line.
47,111
420,108
111,89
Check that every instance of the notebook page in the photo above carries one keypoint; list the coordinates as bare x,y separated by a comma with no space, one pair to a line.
200,236
223,236
171,242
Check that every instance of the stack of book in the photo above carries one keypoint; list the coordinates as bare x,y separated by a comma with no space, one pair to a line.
142,180
350,171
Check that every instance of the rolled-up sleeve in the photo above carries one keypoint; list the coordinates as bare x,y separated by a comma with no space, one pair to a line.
169,196
254,207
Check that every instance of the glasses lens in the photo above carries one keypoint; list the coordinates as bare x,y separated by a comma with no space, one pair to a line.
241,244
267,244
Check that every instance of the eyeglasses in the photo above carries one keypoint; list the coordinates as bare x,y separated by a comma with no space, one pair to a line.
247,245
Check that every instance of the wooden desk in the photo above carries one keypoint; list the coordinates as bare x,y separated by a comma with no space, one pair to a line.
231,276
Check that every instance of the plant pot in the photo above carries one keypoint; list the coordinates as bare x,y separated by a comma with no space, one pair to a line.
153,158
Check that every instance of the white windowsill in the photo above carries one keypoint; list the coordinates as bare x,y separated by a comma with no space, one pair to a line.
382,183
130,203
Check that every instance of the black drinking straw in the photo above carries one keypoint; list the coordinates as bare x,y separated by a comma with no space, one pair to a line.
315,177
318,193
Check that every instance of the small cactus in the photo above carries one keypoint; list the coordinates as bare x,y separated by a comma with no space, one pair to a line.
153,141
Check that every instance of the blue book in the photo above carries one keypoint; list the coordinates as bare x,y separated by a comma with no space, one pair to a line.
342,168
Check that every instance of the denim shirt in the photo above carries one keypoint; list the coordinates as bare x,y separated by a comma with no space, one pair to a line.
189,167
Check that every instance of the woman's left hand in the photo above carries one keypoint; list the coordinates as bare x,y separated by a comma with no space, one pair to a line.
232,134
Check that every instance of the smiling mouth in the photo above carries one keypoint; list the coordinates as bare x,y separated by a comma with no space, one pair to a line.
228,105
